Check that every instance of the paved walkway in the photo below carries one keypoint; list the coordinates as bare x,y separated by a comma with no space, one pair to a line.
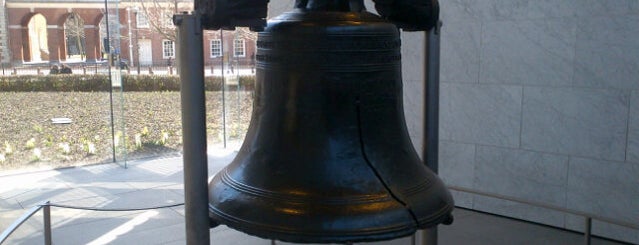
159,182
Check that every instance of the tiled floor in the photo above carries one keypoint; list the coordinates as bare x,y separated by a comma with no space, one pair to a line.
159,182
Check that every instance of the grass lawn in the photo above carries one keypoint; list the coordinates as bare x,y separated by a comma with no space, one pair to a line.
146,124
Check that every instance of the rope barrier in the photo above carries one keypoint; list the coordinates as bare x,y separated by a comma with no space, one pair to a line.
111,209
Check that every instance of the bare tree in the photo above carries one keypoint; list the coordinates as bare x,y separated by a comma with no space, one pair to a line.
245,33
159,14
158,17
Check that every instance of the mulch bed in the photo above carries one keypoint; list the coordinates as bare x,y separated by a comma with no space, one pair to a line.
146,124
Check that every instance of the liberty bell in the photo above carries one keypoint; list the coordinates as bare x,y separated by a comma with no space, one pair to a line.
327,157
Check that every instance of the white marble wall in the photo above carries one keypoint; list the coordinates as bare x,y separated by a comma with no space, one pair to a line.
540,101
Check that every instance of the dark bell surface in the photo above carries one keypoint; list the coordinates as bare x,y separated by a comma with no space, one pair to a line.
327,157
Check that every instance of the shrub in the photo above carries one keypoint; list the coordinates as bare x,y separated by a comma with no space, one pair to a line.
100,82
150,83
36,83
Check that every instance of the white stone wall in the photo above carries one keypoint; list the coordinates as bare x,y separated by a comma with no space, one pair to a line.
540,101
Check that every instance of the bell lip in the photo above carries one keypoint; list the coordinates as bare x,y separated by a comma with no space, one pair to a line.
440,211
444,216
299,236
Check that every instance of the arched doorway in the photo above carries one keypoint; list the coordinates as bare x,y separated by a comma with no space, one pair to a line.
104,39
75,37
111,40
38,47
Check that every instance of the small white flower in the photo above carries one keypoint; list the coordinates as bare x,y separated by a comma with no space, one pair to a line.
116,140
2,158
7,148
138,140
165,138
37,153
91,148
66,149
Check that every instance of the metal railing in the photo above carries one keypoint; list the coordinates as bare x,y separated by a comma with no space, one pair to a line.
46,213
46,217
588,217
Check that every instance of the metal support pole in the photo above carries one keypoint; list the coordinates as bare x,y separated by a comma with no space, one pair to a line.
128,18
431,100
46,216
190,50
223,89
587,230
429,236
431,113
137,39
109,56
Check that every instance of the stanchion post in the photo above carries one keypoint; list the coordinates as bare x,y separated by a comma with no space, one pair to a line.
431,113
587,231
191,62
46,216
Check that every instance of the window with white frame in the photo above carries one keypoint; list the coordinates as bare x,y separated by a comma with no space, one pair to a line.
141,20
216,48
168,49
238,48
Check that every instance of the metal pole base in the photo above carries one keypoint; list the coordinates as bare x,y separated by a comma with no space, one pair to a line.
429,236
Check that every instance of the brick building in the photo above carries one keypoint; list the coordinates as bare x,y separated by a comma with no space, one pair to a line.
75,31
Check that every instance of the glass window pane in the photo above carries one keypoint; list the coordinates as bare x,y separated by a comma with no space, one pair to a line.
216,48
141,20
238,48
168,49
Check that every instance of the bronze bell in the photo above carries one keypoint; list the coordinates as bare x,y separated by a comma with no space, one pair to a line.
327,157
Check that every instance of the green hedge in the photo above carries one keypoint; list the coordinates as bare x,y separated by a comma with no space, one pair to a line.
100,82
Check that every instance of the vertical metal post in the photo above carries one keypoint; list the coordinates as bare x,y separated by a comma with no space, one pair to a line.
128,18
429,236
431,112
108,34
46,216
137,40
190,50
587,230
431,100
223,89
